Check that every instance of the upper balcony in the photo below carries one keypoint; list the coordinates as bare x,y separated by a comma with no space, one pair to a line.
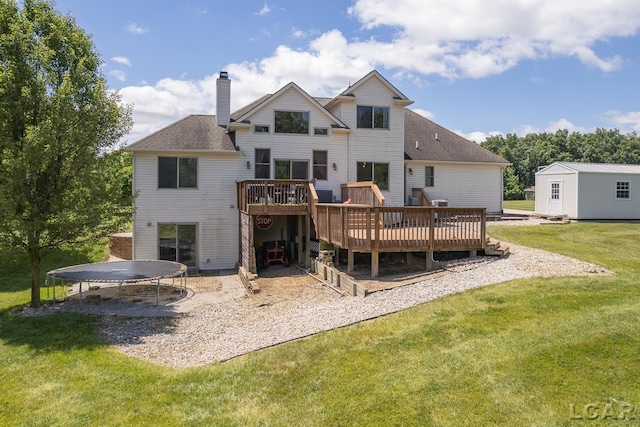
276,197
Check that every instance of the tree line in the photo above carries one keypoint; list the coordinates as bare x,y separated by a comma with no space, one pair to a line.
528,153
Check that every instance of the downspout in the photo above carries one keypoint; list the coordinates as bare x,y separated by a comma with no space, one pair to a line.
348,157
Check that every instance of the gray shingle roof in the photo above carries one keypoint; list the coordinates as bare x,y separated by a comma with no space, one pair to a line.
195,132
449,147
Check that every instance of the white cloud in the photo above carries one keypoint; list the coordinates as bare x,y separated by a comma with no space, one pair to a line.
458,38
477,136
265,9
134,28
563,123
625,122
167,101
118,74
424,113
122,60
415,39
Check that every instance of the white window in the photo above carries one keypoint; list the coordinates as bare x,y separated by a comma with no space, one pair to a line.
320,165
555,191
177,242
376,172
177,172
622,190
261,129
321,131
373,117
429,176
263,163
292,122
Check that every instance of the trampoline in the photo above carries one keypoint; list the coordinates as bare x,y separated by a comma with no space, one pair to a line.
119,272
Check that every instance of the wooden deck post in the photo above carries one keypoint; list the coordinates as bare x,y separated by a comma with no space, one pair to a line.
307,230
430,261
300,251
349,260
374,263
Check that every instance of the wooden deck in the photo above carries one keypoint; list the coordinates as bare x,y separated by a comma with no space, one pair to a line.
369,228
401,229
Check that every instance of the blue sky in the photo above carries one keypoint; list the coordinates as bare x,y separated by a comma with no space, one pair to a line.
475,67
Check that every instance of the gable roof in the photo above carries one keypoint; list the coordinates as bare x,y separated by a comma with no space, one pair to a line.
194,132
246,112
374,74
596,167
448,147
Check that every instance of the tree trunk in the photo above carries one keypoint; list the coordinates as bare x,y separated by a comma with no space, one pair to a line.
35,282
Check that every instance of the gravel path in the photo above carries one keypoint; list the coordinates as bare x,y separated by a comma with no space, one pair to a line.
219,328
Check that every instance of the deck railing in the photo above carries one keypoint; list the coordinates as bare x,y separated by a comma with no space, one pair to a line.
276,196
362,193
422,196
392,229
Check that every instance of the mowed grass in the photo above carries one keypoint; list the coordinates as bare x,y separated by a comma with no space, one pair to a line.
526,352
523,205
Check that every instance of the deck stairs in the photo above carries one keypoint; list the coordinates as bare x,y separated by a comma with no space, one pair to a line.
495,248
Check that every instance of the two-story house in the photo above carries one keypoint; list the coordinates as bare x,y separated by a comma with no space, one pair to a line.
190,207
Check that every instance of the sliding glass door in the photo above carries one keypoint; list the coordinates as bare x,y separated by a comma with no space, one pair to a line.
177,242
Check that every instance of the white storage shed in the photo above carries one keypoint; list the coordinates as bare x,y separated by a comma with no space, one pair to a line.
589,190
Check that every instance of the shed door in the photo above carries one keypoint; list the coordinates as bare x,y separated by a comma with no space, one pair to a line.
555,199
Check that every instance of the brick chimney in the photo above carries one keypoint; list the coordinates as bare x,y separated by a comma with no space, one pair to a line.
223,100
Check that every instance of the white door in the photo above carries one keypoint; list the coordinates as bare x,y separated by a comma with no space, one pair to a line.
555,198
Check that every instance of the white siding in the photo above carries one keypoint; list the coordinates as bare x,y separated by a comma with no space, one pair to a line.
586,195
597,197
568,191
295,146
212,206
378,145
462,185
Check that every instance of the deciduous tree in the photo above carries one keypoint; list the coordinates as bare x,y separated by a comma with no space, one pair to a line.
58,121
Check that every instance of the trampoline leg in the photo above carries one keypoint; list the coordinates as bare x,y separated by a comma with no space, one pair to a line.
158,293
81,291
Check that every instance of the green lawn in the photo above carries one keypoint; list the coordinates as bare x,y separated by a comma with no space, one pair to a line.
524,205
519,353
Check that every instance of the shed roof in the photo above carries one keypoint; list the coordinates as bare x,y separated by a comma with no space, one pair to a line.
597,167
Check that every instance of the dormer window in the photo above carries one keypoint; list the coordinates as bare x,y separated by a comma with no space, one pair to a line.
373,117
292,122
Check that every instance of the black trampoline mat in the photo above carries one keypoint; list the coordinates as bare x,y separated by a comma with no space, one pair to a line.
120,271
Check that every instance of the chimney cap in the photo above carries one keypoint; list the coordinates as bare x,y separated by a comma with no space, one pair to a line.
224,75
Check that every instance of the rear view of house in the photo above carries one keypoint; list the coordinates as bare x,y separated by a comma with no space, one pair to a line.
588,191
217,190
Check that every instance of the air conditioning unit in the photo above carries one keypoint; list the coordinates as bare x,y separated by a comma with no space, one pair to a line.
413,201
440,203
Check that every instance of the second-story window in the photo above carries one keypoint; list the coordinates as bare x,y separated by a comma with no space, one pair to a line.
261,129
373,117
177,172
263,163
292,122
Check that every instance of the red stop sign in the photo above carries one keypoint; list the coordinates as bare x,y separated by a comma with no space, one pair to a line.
264,222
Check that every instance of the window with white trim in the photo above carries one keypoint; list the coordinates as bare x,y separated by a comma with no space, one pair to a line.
373,117
376,172
320,165
177,172
622,190
429,176
292,122
263,163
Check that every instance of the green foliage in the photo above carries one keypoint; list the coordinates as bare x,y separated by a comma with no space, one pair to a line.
527,154
57,121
